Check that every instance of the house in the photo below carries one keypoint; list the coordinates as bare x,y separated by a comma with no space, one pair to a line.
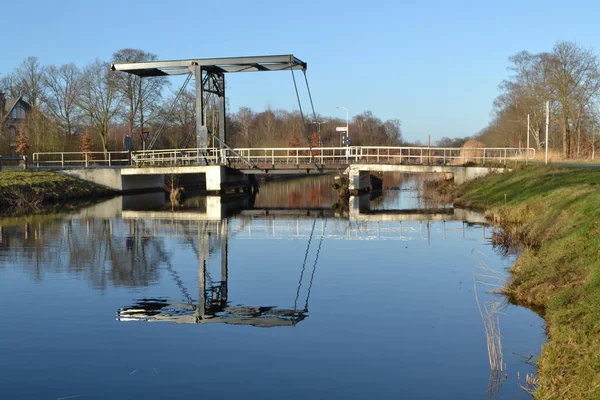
13,112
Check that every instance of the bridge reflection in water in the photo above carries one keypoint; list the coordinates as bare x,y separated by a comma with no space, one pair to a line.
206,222
212,305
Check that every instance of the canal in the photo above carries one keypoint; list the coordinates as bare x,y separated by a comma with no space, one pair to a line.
290,294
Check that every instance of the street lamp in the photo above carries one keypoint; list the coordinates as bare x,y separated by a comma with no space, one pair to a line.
344,108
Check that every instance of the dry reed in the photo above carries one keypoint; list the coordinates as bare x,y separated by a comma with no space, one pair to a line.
490,310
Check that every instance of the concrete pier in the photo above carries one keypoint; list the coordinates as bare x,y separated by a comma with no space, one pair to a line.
214,179
358,174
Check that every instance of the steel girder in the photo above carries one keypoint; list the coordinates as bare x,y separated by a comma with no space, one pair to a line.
210,77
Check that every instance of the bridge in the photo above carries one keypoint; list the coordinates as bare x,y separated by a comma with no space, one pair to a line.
223,169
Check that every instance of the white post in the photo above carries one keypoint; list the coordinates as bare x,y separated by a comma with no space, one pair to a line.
593,140
527,157
547,124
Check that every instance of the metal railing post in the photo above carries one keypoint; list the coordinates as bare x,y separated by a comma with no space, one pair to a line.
109,159
86,160
62,160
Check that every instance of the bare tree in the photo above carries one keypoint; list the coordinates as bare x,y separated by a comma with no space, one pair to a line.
245,117
141,95
9,85
180,123
393,131
99,99
267,123
64,86
568,77
574,81
29,81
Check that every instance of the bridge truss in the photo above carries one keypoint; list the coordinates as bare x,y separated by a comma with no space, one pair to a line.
209,75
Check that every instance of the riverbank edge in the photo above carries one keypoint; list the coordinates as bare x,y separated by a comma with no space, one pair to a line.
25,193
555,214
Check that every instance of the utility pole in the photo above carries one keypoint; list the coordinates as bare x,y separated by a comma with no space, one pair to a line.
547,124
527,159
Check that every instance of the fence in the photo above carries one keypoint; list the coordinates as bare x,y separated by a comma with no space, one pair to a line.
288,156
77,159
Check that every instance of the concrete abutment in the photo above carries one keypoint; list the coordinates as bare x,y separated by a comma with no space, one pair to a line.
358,174
214,179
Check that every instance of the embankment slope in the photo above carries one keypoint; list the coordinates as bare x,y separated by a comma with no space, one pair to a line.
555,213
28,191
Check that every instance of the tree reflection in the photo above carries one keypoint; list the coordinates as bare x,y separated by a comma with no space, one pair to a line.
102,251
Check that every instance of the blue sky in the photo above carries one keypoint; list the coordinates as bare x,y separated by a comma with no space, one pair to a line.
435,65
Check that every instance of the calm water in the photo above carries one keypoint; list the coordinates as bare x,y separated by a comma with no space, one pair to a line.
128,300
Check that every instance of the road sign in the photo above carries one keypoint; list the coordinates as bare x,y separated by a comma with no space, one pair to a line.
144,136
346,140
128,143
341,129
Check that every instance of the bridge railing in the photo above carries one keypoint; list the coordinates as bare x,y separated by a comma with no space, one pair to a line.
78,159
167,157
381,154
288,156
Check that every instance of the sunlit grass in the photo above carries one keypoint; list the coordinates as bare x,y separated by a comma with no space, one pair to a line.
20,189
556,213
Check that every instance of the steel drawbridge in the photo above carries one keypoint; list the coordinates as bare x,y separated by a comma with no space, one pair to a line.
209,76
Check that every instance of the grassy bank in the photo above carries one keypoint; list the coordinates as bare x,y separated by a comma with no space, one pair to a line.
556,214
25,192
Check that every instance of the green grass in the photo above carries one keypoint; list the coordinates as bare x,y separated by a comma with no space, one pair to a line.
556,213
47,186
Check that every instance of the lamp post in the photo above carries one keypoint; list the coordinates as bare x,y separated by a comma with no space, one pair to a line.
344,108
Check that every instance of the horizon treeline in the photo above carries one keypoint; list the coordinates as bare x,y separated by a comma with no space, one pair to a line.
568,77
93,109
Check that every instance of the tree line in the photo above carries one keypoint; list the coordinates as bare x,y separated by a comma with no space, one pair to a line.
568,77
93,108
